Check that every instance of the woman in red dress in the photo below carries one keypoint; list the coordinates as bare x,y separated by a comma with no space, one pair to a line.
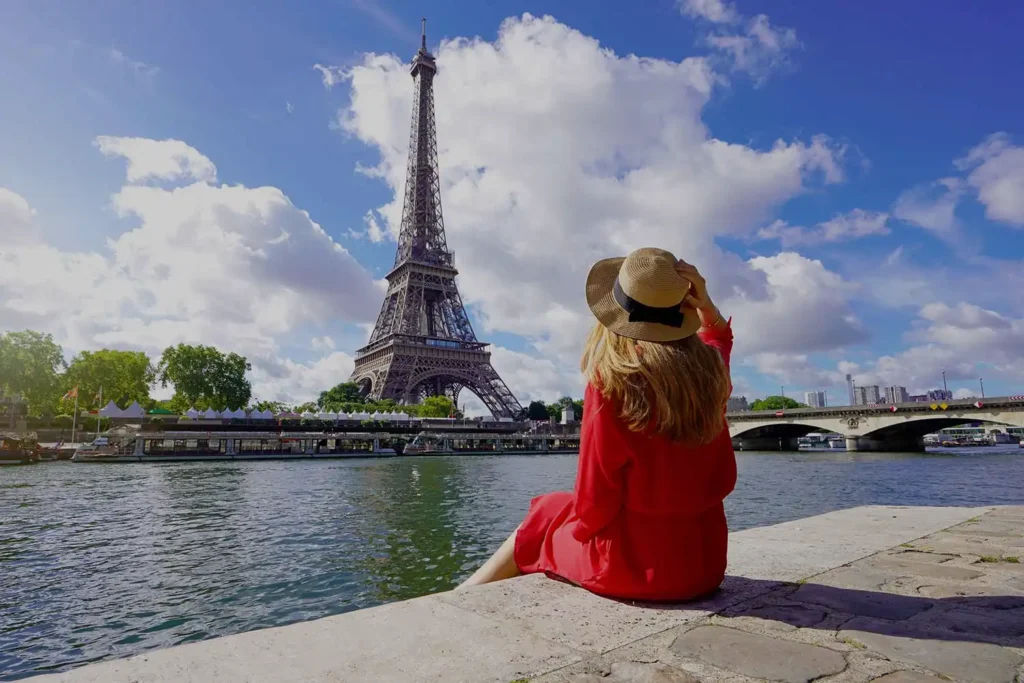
646,520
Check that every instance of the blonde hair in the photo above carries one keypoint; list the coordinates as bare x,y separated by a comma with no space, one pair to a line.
678,388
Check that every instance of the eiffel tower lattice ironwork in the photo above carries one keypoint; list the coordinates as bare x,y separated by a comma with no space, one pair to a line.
423,344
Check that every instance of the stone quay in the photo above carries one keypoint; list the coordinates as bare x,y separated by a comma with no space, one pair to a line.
888,594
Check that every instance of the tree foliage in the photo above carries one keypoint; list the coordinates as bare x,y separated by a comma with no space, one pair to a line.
205,377
30,365
775,403
537,411
307,407
436,406
555,409
124,375
273,406
346,392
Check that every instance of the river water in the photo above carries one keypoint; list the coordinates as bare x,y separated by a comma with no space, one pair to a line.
101,561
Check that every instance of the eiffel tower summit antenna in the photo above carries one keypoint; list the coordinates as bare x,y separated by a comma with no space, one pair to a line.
423,344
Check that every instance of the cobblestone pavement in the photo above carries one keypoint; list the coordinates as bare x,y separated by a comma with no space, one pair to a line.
949,606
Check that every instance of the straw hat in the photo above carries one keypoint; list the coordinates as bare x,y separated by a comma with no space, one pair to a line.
640,296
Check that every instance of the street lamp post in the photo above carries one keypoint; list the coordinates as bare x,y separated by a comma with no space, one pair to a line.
944,388
981,381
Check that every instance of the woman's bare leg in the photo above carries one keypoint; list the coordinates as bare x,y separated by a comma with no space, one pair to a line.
500,566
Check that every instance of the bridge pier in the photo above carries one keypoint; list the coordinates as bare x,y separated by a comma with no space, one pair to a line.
913,444
765,443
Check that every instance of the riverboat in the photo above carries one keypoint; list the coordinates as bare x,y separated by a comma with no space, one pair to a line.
819,441
193,445
426,443
17,450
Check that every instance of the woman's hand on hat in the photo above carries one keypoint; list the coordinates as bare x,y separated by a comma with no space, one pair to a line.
698,297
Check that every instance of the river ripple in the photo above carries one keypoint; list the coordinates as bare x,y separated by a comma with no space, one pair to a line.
101,561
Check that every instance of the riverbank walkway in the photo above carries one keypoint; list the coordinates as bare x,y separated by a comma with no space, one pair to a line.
888,594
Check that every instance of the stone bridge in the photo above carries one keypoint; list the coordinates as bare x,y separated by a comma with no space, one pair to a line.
884,427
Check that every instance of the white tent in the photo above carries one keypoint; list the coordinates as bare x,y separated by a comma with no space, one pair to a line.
401,417
192,413
110,410
133,411
236,413
210,414
328,416
260,415
307,415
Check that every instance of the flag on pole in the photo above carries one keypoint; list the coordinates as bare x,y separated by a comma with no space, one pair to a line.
73,393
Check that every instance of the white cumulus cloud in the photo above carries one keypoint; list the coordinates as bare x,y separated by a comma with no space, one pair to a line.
749,44
997,173
807,309
158,159
931,206
852,225
714,11
17,218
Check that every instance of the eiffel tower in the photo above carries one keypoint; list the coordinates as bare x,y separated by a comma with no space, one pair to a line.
423,344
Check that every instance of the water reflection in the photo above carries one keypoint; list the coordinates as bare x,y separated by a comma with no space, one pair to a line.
415,546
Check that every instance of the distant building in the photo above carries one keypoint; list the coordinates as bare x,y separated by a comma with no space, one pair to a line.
849,388
815,399
737,403
868,395
567,414
918,398
896,395
940,395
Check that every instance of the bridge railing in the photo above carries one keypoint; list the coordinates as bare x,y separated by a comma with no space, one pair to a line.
966,404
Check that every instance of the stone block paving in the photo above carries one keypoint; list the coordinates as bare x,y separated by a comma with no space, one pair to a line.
946,607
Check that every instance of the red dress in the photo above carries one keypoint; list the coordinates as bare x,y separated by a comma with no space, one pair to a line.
646,521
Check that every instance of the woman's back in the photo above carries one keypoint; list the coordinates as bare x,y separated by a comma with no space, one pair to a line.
646,519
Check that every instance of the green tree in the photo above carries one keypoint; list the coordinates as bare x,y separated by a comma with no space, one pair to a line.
436,406
273,406
555,409
204,376
30,363
537,411
346,392
308,407
775,403
124,375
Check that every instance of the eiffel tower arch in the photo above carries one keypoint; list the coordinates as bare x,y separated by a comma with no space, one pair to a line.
423,343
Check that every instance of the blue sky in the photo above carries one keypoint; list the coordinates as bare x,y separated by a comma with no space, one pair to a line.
898,96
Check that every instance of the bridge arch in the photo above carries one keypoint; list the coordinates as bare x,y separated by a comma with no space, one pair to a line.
915,429
785,430
774,435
